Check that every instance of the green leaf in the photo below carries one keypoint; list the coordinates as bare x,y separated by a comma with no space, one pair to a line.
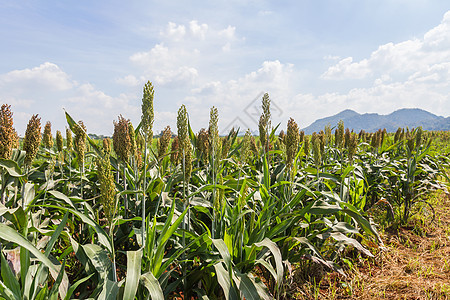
28,195
56,234
61,196
248,288
102,236
223,250
71,123
133,274
277,256
11,167
53,295
350,241
166,233
9,234
75,285
6,292
152,285
100,259
110,289
9,279
224,280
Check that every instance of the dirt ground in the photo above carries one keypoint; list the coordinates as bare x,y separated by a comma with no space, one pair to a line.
415,264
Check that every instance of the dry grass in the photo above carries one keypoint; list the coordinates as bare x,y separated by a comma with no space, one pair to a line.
414,265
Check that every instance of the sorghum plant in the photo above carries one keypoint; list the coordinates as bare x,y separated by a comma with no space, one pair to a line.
164,141
32,139
7,132
47,138
121,139
59,141
292,141
69,140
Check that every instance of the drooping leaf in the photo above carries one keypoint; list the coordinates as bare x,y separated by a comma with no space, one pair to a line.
133,274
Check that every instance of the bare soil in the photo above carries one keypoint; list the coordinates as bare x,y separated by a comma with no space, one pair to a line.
414,264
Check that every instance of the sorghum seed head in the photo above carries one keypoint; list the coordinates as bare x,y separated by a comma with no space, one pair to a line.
213,131
328,134
352,146
346,138
322,142
140,141
147,111
32,139
47,139
164,141
316,147
107,145
182,126
175,155
292,141
133,148
7,132
306,145
16,140
69,140
59,141
340,134
80,140
226,144
121,139
302,136
203,143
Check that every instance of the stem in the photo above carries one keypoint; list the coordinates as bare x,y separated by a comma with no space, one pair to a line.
144,190
3,187
213,157
81,178
184,221
124,188
111,235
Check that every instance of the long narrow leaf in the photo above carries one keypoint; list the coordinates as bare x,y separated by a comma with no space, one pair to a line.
133,274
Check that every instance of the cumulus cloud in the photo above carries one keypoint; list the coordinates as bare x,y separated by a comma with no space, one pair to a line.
198,31
415,55
174,31
239,100
182,54
47,90
47,74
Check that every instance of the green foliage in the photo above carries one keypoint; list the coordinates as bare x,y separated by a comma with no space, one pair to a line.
225,223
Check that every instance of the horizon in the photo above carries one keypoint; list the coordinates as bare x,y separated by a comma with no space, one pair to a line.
314,59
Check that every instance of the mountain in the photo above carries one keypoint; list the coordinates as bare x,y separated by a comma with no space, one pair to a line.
406,117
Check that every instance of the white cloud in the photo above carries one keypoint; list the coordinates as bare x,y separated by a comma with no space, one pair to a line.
228,33
47,74
165,65
264,13
415,55
198,31
131,80
46,90
174,31
182,55
237,99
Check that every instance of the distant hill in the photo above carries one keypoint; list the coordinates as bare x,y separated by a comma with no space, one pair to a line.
411,117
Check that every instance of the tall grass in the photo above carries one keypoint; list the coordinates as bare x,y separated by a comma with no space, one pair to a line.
213,217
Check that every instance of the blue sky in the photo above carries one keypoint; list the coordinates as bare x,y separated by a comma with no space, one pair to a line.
314,58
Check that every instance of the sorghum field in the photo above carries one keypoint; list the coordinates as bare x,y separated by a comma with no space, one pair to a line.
198,216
